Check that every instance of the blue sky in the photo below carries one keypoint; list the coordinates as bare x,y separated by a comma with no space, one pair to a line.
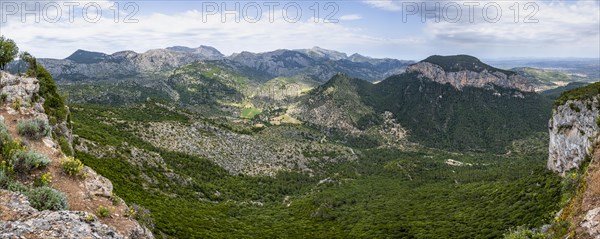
369,27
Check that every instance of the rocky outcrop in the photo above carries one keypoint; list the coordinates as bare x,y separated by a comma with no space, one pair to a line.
573,133
17,87
464,78
19,220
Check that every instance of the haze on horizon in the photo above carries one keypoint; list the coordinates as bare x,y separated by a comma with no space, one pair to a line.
375,28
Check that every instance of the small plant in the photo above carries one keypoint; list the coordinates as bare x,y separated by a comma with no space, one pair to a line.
23,161
103,212
16,104
4,179
89,217
46,198
73,167
3,98
142,215
18,187
116,200
43,180
33,128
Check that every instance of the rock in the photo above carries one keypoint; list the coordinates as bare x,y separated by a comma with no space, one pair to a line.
20,220
18,87
97,185
591,222
573,132
463,78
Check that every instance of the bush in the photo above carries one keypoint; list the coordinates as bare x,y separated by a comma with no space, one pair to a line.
43,180
4,179
46,198
3,98
103,212
24,161
65,147
17,104
16,186
142,215
73,167
33,128
523,233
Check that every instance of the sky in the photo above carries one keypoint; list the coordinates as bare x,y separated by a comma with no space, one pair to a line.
410,30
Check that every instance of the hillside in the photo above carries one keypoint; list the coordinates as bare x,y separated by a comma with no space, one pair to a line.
33,178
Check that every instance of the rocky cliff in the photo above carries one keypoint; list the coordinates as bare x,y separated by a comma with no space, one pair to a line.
470,72
573,132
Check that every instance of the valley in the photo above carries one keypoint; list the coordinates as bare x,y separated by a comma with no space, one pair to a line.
212,153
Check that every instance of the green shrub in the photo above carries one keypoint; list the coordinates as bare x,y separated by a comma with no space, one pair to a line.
73,167
103,212
598,121
3,98
65,147
43,180
16,104
46,198
4,179
17,186
523,233
33,128
142,215
24,161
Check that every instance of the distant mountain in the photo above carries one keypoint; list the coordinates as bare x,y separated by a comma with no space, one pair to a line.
207,51
545,79
317,64
461,71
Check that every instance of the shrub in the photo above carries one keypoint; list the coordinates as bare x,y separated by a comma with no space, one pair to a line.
4,179
17,104
23,161
142,215
33,128
3,98
103,212
46,198
73,167
43,180
523,233
16,186
65,147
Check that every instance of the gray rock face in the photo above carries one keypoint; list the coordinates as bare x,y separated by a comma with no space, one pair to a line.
19,220
573,132
461,79
18,87
97,185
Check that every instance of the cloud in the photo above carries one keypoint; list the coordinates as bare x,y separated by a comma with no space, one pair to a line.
388,5
350,17
189,28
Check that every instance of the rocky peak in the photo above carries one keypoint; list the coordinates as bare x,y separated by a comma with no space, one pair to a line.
207,51
461,71
318,52
87,57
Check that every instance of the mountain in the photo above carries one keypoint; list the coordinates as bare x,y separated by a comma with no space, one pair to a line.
317,64
545,79
462,70
484,110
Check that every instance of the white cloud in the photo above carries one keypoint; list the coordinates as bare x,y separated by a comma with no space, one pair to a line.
350,17
188,28
388,5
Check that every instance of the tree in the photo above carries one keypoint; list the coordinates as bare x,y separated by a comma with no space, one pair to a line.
8,51
31,63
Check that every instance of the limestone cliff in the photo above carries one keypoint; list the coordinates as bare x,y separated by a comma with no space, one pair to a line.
573,132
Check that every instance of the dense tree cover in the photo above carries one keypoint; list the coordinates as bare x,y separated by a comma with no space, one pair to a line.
463,62
386,193
579,93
